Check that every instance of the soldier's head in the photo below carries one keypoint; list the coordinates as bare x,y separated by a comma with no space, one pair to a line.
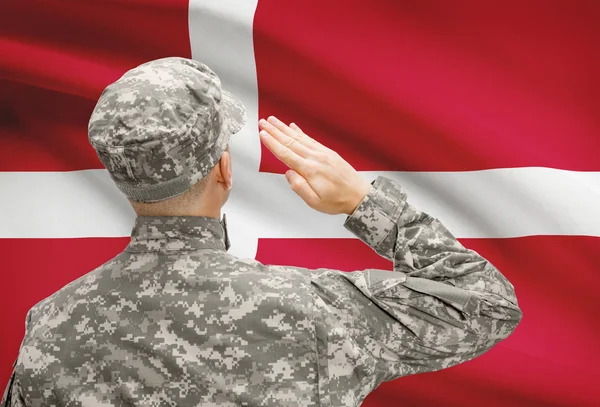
162,131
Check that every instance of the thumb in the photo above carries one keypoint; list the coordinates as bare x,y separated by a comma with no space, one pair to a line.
301,187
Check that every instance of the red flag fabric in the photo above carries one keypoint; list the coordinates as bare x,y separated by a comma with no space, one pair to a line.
486,113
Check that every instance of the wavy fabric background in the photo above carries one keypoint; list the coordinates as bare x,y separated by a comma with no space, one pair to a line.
488,114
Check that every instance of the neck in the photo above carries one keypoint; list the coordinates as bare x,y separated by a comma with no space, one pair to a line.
204,210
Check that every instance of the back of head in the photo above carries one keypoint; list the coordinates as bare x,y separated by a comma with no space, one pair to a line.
163,126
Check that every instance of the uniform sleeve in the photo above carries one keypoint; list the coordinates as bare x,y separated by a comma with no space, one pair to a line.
12,396
442,305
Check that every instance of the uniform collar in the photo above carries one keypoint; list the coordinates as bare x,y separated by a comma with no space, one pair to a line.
175,233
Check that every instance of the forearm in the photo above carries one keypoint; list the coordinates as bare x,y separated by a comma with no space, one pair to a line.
429,255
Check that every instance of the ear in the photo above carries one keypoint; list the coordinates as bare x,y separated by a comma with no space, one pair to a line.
224,169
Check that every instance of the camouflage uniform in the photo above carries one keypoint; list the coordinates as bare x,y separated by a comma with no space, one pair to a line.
174,320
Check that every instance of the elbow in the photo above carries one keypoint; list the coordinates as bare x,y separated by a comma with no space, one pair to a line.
510,314
516,316
493,317
499,326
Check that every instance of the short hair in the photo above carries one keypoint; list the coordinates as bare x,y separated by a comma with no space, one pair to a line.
177,205
173,206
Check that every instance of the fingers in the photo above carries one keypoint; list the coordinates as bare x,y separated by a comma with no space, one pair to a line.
295,133
295,127
302,188
308,141
280,133
286,155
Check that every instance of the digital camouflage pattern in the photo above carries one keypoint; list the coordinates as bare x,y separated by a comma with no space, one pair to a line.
175,320
162,126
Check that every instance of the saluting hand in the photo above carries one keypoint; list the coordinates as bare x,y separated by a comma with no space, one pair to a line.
323,179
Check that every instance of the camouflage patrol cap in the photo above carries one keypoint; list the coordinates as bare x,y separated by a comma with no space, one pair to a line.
163,126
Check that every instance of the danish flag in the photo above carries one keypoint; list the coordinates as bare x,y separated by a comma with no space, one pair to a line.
488,113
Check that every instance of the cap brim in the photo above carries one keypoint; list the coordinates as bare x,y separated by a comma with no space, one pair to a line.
234,113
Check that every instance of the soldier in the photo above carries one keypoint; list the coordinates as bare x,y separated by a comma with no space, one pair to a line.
175,320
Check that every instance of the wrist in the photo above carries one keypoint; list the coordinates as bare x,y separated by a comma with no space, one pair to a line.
359,196
379,213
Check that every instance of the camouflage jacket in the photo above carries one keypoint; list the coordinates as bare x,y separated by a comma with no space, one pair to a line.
174,320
